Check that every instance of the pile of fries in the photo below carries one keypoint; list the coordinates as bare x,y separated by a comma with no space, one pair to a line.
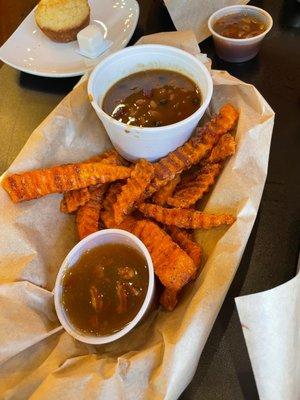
154,201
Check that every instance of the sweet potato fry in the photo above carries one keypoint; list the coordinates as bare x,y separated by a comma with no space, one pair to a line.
194,190
164,193
88,215
75,198
168,299
109,157
194,150
111,195
185,241
108,219
131,192
194,185
184,218
224,148
37,183
172,265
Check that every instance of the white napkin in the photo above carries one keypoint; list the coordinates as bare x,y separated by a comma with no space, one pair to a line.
271,326
193,14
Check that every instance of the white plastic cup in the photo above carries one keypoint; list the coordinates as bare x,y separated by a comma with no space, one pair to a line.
150,143
239,50
106,236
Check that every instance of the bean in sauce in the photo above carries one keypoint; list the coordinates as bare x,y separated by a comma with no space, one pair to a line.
152,98
239,26
105,289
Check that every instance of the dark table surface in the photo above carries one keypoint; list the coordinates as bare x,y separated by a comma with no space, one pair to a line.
224,371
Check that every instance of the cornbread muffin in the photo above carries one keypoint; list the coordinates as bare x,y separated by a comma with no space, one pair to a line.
61,20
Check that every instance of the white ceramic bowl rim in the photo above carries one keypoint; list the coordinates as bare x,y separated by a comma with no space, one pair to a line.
149,130
238,7
98,340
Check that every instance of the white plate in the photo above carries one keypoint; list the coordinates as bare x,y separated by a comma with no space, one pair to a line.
29,50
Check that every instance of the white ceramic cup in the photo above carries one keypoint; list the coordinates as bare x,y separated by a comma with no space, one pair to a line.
239,50
150,143
97,239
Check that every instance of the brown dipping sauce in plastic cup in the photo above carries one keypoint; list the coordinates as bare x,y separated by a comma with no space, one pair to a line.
243,49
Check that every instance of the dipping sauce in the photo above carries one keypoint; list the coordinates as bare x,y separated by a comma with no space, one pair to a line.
105,289
152,98
239,26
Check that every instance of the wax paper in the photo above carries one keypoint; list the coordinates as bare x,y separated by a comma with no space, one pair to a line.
157,360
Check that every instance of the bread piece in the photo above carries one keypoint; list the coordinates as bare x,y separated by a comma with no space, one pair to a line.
61,20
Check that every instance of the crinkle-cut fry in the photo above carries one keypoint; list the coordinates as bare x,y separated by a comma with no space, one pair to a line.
169,299
185,218
109,157
75,198
185,241
194,185
225,148
131,192
111,195
108,219
127,224
194,150
88,215
172,265
187,177
72,200
164,193
63,178
194,190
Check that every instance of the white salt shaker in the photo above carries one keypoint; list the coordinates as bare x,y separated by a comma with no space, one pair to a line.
91,41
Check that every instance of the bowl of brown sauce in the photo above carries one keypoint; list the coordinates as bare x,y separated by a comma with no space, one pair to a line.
238,31
104,287
149,98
